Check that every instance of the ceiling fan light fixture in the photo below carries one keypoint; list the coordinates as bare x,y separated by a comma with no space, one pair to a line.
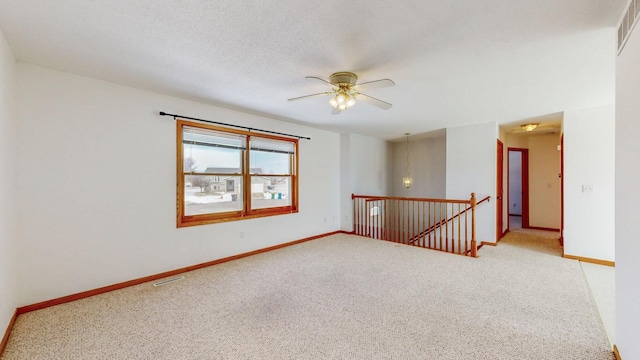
342,100
351,100
529,127
344,90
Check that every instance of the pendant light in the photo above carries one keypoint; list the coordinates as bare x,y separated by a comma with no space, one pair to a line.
407,180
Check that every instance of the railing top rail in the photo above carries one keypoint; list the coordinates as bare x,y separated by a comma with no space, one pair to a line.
373,198
449,201
486,198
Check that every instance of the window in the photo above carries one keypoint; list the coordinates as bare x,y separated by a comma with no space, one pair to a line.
226,175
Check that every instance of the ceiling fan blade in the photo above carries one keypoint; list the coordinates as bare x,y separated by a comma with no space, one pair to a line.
317,78
335,111
308,96
373,101
375,84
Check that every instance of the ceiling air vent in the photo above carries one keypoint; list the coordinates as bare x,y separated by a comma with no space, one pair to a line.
627,24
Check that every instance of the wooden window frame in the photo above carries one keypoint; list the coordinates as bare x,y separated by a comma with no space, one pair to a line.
246,212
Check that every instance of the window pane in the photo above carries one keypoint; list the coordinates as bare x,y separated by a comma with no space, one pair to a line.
271,156
205,194
208,151
270,191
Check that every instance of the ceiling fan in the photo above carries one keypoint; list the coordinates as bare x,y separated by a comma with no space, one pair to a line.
345,90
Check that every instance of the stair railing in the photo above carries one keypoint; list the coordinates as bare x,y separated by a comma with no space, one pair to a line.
438,224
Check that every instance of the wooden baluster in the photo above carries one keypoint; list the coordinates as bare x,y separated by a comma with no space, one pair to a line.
428,239
407,215
416,219
405,218
422,219
375,219
431,223
474,245
399,231
386,220
359,223
365,218
404,221
384,225
379,216
369,222
392,219
436,210
360,218
356,217
409,221
353,210
446,227
466,228
396,221
412,220
356,222
451,238
459,245
360,200
440,222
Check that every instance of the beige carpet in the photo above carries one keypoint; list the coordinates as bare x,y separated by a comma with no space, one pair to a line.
339,297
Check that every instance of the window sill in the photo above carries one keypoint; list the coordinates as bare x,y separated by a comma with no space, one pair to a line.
204,220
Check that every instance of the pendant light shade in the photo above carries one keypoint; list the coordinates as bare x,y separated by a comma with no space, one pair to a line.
407,181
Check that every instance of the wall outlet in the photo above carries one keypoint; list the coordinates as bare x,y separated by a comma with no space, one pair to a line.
587,188
241,234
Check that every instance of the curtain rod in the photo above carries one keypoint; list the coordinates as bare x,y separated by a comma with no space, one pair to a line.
162,113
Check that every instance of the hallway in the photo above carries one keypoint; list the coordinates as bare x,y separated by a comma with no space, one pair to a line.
601,280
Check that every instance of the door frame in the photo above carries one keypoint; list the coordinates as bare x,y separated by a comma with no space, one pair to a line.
561,175
500,191
524,177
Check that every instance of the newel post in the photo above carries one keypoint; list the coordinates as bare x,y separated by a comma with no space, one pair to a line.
474,244
353,219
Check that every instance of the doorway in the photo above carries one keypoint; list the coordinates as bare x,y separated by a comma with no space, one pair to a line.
518,188
499,190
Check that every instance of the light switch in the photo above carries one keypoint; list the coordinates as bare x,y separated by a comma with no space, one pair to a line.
587,188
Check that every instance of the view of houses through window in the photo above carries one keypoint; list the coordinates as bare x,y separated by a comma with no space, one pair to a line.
216,165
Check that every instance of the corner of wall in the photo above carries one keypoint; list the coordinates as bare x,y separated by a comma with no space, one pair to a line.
8,181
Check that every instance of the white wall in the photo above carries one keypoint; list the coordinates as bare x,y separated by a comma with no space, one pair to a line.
544,183
369,165
364,165
8,203
471,167
627,175
589,149
97,186
427,167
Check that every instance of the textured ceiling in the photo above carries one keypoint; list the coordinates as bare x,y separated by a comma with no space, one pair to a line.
454,63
